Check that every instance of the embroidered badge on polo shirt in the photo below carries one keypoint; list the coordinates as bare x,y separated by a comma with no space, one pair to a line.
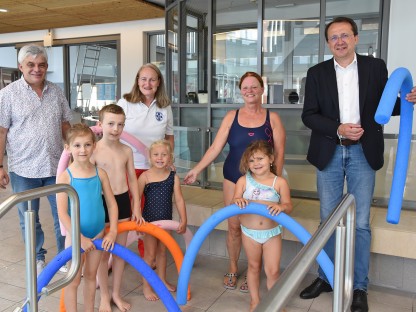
159,116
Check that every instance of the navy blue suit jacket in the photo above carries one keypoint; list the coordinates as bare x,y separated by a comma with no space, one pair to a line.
321,110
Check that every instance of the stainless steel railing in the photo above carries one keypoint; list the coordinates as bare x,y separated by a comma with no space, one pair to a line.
289,281
30,240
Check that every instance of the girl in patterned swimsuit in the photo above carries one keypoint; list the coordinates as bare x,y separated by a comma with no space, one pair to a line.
90,183
261,236
158,184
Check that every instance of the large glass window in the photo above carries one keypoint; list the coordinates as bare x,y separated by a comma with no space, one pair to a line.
173,56
93,73
290,46
280,40
234,47
55,72
8,66
368,18
156,47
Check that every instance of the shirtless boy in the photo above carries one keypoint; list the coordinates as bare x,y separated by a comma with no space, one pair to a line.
116,159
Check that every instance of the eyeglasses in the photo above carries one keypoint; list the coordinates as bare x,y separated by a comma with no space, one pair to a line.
343,37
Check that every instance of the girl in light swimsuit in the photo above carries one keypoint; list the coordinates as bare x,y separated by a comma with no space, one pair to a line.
90,183
261,236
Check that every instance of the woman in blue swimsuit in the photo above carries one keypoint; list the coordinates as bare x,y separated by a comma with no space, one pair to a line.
238,128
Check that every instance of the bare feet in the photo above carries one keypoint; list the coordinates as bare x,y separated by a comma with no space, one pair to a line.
253,305
149,293
105,305
122,305
170,287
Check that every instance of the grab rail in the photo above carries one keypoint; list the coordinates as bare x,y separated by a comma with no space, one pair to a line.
30,239
289,281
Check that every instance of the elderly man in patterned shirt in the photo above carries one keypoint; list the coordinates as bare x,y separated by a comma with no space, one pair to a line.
34,116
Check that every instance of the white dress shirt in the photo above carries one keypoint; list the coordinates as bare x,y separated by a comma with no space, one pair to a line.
348,92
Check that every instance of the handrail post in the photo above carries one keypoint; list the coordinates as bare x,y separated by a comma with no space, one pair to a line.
30,249
339,268
349,256
30,236
76,245
292,276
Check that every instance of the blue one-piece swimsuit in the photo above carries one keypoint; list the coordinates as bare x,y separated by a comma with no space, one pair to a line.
91,208
238,140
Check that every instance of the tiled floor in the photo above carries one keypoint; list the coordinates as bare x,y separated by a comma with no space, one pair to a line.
206,278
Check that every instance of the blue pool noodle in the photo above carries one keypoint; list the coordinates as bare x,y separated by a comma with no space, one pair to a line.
233,210
130,257
400,79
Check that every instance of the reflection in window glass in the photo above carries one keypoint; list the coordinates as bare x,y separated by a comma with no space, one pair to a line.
8,66
235,53
173,56
234,47
157,52
367,16
55,71
191,56
93,77
290,47
368,33
196,51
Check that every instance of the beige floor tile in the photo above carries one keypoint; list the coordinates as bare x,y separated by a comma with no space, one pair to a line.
14,253
190,309
14,275
4,265
295,309
322,303
382,307
6,305
11,292
391,298
231,301
49,304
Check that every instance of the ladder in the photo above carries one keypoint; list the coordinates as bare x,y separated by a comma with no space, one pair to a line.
87,73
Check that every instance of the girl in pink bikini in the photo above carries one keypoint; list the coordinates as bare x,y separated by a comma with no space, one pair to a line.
260,235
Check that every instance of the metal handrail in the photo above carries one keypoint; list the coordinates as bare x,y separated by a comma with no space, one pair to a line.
291,278
30,237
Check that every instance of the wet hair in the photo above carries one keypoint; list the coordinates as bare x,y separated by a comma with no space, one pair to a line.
32,50
342,19
251,74
135,95
165,143
254,147
78,130
111,108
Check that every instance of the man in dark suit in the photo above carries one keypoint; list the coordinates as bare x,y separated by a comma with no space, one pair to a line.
341,98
